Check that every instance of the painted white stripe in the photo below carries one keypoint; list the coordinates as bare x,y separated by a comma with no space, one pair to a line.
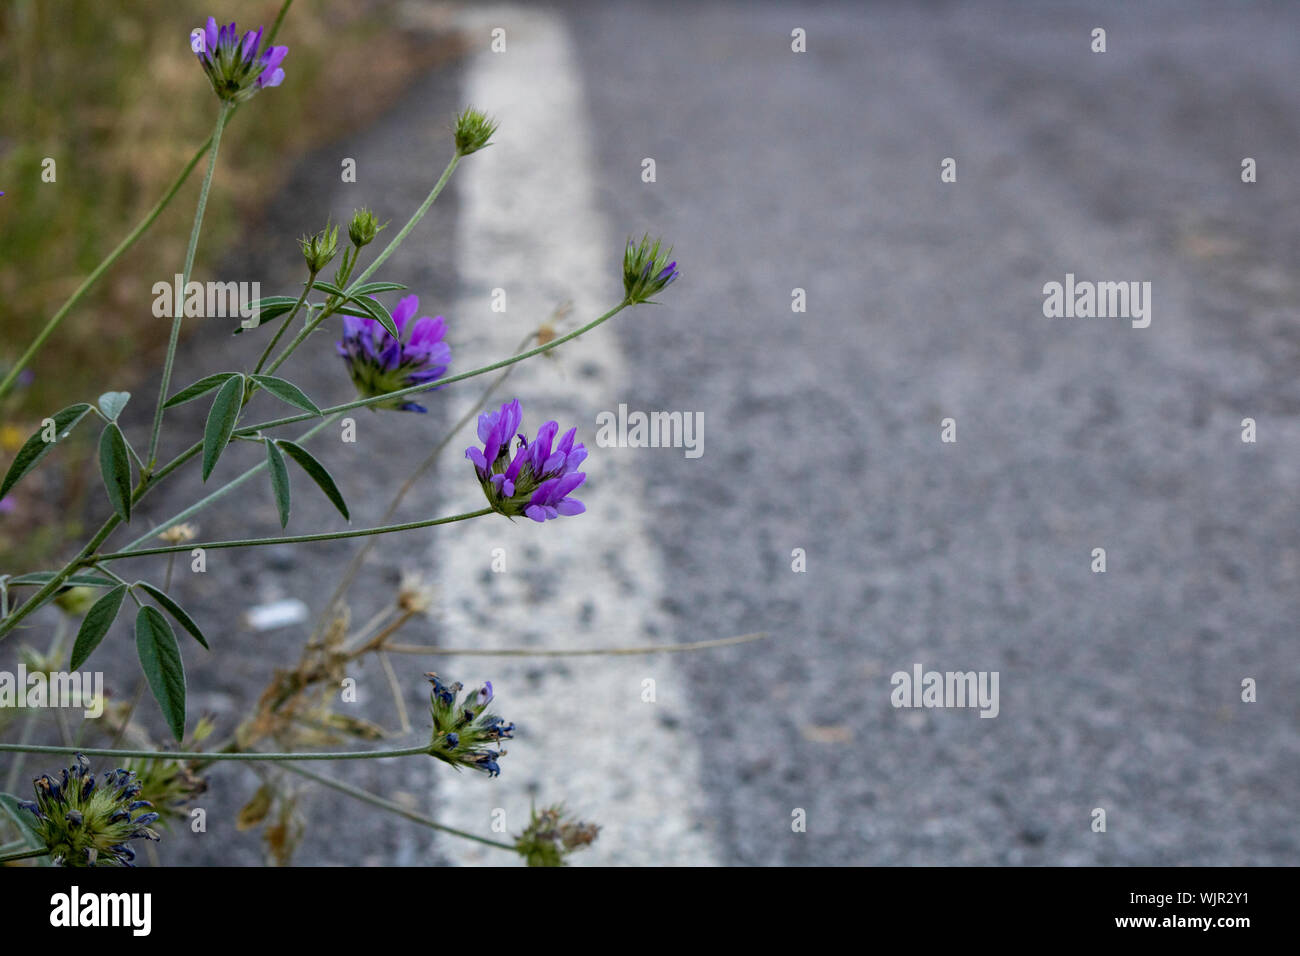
529,223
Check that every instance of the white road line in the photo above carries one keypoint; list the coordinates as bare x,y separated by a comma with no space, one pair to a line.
529,223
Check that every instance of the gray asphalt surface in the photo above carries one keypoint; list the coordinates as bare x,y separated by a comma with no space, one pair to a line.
822,430
820,171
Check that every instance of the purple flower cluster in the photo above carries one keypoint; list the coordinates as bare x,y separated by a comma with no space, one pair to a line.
537,479
83,822
465,730
235,66
380,364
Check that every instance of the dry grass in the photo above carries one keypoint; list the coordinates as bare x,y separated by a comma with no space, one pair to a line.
111,92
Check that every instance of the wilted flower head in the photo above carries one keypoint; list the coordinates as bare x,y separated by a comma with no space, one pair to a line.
179,533
84,824
462,728
551,836
474,129
415,593
537,480
169,785
380,364
318,249
234,65
646,270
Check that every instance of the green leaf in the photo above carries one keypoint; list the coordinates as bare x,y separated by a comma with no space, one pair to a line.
330,288
115,468
349,310
287,392
175,610
201,387
379,314
98,620
41,578
317,473
221,422
112,403
161,660
36,447
22,819
279,481
370,288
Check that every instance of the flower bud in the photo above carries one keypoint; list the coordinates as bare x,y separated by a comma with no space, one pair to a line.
320,248
646,270
473,131
363,228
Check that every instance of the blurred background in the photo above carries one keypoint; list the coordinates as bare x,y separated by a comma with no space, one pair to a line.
774,170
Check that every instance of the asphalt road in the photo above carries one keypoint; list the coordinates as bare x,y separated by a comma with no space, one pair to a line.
820,171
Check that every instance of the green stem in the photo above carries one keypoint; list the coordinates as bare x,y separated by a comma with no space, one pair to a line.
42,596
218,493
209,756
410,223
23,855
365,796
389,249
350,573
290,539
270,346
450,379
132,237
222,118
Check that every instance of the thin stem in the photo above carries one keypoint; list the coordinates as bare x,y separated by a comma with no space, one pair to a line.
225,489
29,855
215,755
39,599
365,796
593,652
132,237
270,346
293,539
222,118
389,249
415,389
396,687
410,223
354,566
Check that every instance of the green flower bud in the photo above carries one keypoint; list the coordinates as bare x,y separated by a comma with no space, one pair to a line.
320,248
474,129
646,270
363,228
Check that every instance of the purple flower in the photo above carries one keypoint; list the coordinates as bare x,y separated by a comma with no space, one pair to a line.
537,479
235,66
380,364
461,737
